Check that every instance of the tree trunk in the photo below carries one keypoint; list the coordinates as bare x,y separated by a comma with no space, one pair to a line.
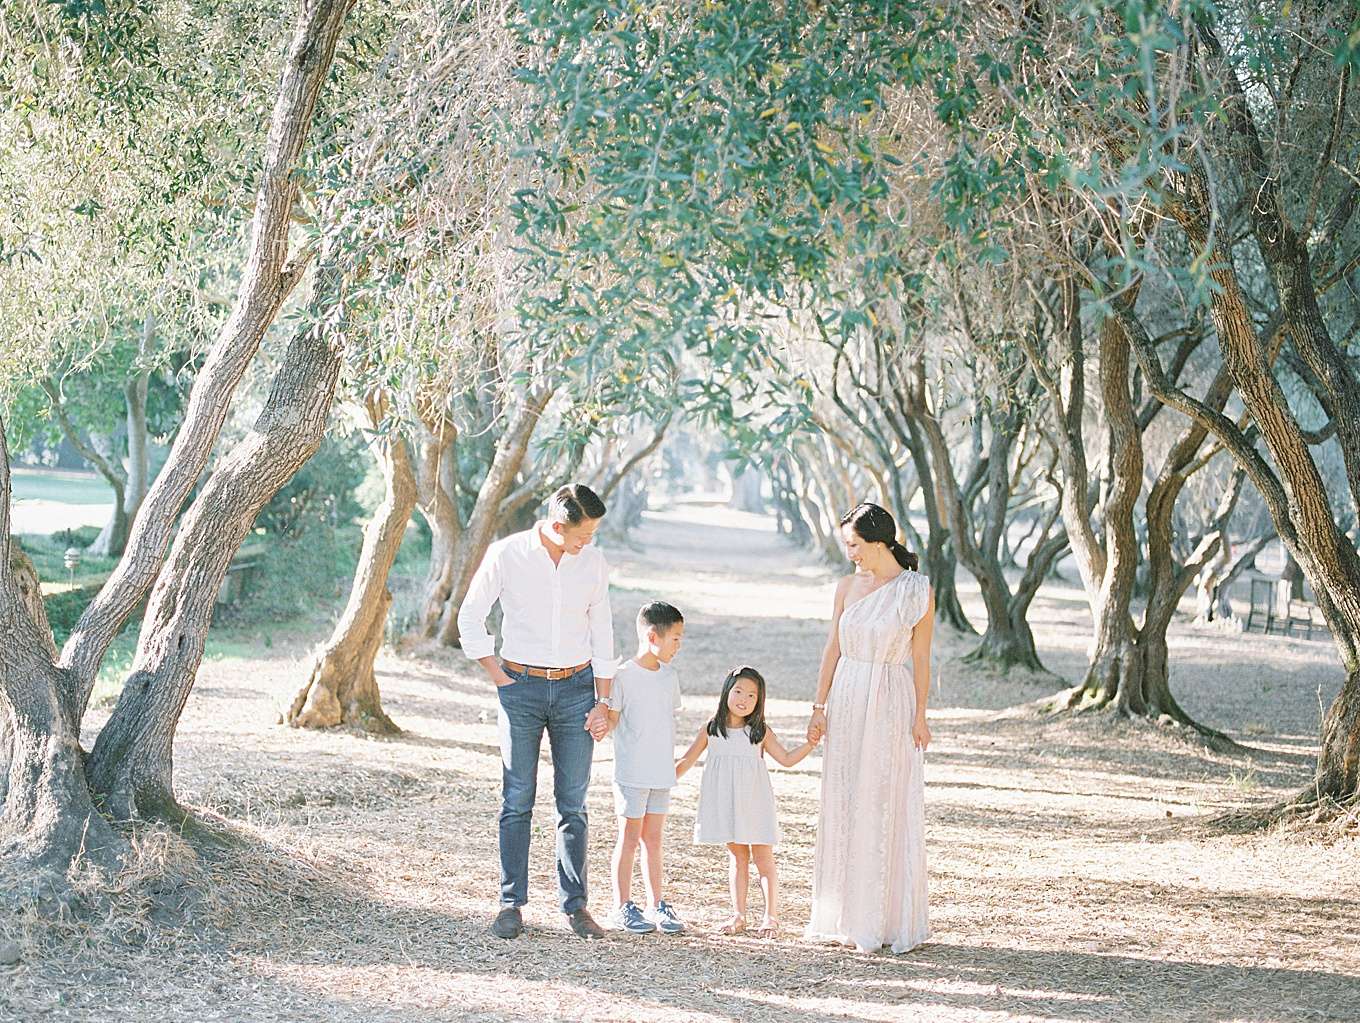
817,501
112,538
48,817
1067,396
491,496
611,480
1008,641
130,485
941,567
1285,251
24,582
342,688
131,764
1109,564
1296,497
787,505
139,458
266,280
746,494
437,487
1338,767
628,505
1113,675
47,820
98,450
1168,581
1307,527
941,563
439,581
1130,672
1215,580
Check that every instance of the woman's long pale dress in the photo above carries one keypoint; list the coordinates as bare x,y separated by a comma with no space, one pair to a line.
869,876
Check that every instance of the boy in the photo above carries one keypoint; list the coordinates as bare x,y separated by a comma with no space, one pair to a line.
642,706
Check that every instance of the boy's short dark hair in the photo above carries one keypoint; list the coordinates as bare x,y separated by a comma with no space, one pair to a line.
575,503
659,615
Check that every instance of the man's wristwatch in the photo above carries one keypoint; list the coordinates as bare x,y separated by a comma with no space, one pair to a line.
609,705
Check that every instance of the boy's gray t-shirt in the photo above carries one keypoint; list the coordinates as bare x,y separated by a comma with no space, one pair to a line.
644,740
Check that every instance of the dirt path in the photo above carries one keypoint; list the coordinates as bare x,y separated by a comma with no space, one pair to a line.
1069,879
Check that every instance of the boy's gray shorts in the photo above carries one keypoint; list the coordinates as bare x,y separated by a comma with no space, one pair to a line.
633,801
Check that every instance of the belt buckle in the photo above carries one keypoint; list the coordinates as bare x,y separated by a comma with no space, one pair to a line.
558,674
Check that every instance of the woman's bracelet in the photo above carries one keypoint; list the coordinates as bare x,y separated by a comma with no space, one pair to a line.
819,706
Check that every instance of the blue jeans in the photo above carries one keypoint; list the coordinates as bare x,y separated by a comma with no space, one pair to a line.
528,707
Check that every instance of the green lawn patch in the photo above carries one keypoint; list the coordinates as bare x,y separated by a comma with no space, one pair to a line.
61,487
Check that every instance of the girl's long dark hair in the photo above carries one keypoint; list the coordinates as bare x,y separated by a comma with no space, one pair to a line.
873,524
755,721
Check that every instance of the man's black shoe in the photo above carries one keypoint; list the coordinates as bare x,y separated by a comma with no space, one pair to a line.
508,923
584,925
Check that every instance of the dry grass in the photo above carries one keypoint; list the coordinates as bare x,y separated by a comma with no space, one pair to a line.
1072,876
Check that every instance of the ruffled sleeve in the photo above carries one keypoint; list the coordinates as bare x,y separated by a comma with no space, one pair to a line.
915,599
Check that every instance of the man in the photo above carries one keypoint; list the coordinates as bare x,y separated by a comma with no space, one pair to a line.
554,673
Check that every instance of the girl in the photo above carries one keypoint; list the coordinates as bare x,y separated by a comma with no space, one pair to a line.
736,800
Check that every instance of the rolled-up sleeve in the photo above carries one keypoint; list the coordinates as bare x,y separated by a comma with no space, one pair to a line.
484,591
602,626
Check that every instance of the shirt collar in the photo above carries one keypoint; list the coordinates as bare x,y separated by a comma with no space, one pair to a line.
541,529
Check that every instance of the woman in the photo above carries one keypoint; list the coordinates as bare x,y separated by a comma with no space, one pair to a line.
869,877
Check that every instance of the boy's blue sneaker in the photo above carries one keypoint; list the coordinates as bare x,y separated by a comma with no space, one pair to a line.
629,918
665,919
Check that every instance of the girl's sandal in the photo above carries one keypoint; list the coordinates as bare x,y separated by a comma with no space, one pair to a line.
769,928
736,925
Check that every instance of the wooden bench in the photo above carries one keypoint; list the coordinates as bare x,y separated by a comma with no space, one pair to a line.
241,573
1262,613
1289,617
1305,616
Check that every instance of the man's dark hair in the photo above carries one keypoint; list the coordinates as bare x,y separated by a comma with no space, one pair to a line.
659,615
575,503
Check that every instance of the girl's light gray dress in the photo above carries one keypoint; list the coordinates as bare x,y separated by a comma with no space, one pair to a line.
736,799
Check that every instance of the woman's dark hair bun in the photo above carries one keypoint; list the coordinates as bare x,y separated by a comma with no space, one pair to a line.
875,524
907,559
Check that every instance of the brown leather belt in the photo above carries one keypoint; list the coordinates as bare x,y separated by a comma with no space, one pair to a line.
551,674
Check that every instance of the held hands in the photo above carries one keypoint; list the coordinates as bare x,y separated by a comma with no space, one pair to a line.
597,722
816,729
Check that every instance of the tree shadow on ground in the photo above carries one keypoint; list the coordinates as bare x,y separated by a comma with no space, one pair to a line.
339,953
795,982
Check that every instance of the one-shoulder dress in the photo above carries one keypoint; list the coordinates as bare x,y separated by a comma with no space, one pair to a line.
869,873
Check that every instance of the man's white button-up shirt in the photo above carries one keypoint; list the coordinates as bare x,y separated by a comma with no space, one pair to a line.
555,616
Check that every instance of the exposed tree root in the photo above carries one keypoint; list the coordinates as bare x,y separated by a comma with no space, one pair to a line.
1080,700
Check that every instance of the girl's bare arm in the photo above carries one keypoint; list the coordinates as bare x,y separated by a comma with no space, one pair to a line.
692,755
780,755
